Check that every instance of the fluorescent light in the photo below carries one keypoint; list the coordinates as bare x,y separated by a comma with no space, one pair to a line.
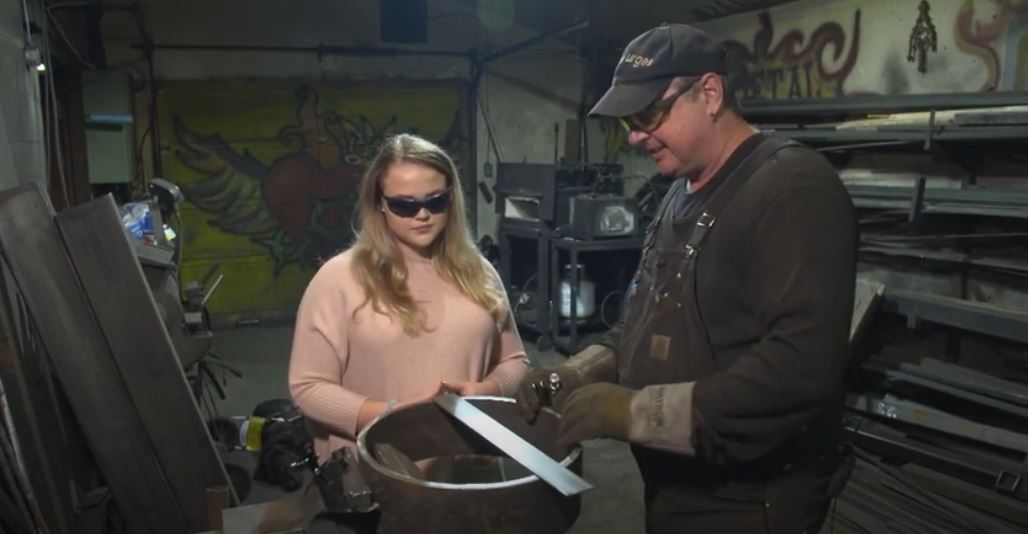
41,67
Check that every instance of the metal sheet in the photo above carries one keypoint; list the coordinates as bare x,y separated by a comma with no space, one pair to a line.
536,461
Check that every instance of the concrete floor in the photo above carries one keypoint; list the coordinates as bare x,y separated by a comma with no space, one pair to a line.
262,354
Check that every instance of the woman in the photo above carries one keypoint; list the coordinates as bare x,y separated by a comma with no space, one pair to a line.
411,310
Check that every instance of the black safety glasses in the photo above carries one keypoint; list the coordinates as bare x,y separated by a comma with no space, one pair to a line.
408,207
654,115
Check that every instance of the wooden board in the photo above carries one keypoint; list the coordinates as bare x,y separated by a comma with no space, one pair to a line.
143,352
82,360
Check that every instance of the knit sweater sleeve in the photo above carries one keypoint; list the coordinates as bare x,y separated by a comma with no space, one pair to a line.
320,352
509,360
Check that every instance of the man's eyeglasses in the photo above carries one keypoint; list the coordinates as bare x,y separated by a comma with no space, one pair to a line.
654,115
409,207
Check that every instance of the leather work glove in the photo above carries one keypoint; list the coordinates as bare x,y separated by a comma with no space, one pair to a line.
601,410
534,391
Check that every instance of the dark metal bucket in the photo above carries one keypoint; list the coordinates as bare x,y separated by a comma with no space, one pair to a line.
516,506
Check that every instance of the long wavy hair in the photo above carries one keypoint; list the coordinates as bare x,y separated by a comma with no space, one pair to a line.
377,261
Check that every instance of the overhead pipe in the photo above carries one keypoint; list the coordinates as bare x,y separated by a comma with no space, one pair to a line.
320,49
323,50
151,84
516,47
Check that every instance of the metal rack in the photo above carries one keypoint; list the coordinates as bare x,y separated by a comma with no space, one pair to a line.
794,118
759,109
980,317
966,141
958,431
534,319
903,135
996,202
570,342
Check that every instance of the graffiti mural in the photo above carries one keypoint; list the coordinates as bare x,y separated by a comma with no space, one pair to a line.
992,34
795,67
270,175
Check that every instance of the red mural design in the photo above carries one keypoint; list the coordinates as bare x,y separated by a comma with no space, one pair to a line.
795,67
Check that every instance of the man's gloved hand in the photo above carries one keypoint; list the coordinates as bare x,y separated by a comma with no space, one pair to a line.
596,411
534,392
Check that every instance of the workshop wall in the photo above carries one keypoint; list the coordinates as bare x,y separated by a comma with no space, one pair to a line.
813,48
245,114
22,157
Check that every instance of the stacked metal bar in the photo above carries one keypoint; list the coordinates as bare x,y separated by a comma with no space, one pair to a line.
885,498
941,448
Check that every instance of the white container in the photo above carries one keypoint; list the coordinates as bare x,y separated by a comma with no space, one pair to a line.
586,297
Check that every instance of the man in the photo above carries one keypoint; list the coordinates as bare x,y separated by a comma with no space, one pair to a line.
725,373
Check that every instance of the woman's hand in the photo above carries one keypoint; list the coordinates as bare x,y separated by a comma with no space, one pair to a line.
427,396
471,389
373,408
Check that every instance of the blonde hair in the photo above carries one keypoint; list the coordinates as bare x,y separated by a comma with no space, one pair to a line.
378,264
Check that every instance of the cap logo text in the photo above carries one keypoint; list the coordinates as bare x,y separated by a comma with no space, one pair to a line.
638,61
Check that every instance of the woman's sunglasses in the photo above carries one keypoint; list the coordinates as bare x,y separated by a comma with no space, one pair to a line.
408,207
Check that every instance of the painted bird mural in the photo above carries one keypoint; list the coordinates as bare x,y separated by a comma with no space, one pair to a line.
298,207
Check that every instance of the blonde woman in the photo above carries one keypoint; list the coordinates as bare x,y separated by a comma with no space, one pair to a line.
412,309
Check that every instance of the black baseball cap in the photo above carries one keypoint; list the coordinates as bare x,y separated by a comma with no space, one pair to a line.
652,60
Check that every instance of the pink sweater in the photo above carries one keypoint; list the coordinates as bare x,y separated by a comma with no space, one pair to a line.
338,362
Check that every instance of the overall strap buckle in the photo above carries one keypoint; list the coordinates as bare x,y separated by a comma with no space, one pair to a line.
703,225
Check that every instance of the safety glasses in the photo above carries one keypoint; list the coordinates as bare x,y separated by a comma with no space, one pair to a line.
409,207
650,118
